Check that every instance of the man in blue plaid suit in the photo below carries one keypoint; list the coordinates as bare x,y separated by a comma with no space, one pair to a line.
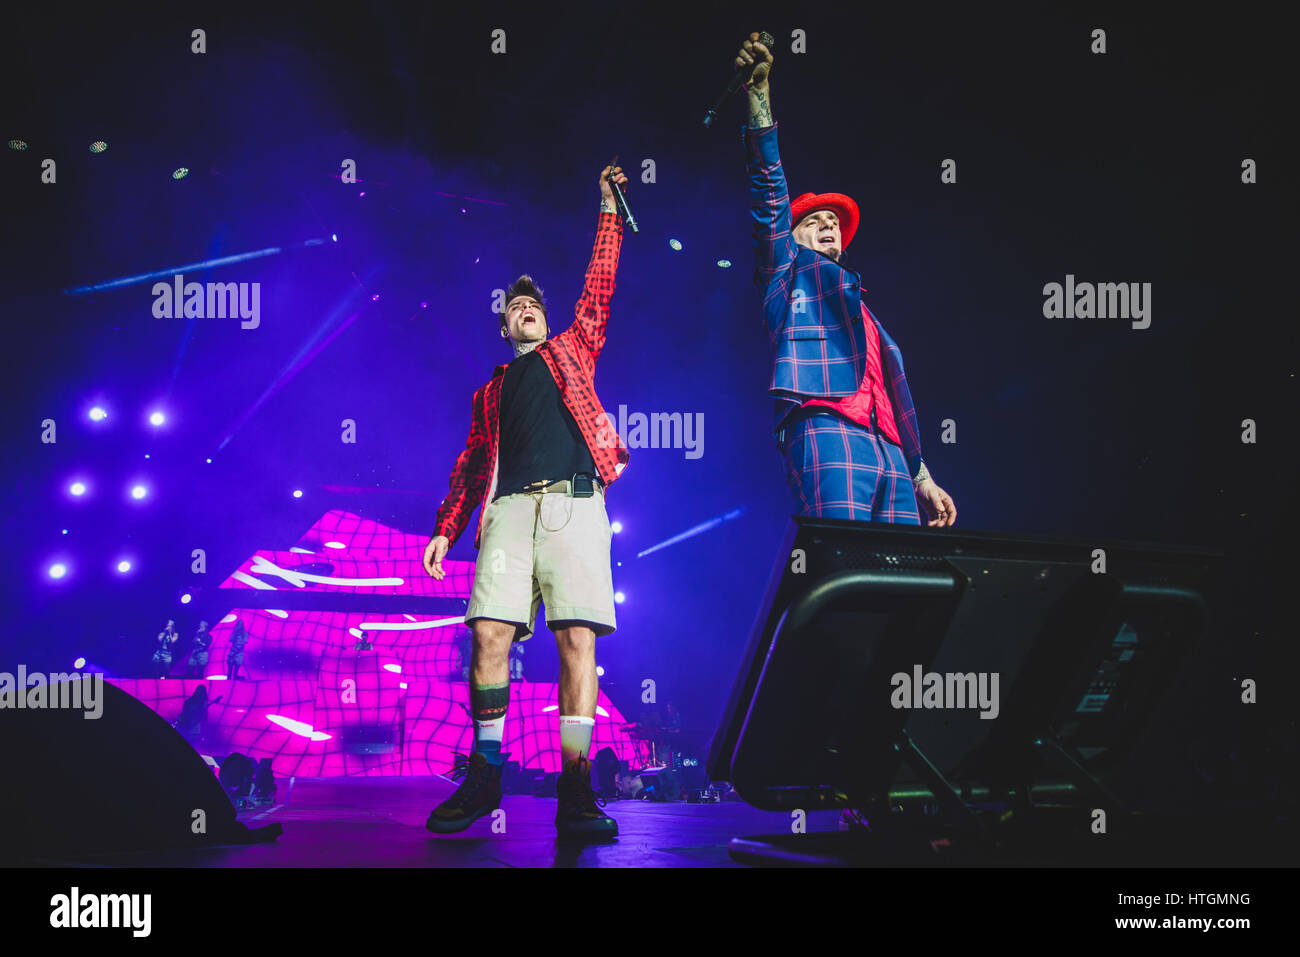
844,416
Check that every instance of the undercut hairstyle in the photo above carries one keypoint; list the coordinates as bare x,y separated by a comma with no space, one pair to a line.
524,286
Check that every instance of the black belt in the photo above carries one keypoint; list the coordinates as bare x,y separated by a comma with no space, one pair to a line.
561,485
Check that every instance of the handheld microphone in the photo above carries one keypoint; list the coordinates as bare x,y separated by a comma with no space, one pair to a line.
741,75
620,200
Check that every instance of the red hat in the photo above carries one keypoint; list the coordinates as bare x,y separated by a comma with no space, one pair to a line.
844,208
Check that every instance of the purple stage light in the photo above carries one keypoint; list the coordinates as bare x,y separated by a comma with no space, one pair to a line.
157,418
297,493
58,570
375,297
124,566
138,492
77,488
618,597
65,531
600,671
616,527
98,414
424,304
334,237
186,598
208,461
79,663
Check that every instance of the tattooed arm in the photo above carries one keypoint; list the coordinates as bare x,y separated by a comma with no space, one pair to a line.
760,97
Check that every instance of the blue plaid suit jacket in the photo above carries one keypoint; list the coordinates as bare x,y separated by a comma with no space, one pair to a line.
812,306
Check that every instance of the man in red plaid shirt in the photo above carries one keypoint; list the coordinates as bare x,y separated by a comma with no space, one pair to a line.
540,455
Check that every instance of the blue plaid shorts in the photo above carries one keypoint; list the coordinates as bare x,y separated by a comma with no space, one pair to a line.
838,469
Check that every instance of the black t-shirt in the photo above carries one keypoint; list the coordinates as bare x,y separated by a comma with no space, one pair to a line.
539,437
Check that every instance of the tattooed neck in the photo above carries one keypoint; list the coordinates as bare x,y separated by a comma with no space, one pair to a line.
523,348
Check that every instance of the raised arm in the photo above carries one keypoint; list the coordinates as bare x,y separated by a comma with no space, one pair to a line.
769,197
591,314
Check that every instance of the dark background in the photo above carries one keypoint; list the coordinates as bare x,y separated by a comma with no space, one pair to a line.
1123,167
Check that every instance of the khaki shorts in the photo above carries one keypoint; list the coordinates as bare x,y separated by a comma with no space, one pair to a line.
544,547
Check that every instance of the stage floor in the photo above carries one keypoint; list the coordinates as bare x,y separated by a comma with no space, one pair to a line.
379,822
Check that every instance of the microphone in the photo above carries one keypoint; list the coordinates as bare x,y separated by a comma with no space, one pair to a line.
741,75
620,200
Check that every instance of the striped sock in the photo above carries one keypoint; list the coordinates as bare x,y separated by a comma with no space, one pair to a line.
489,702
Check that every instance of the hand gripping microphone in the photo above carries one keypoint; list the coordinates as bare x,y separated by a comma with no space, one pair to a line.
620,200
741,75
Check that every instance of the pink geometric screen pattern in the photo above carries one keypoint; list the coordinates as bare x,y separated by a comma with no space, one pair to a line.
306,697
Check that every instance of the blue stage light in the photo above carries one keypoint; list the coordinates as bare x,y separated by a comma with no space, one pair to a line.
675,245
157,418
185,599
139,491
695,530
724,263
98,414
77,488
124,566
58,570
297,493
618,597
616,527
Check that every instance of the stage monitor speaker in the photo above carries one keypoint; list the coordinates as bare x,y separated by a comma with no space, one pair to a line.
888,657
123,781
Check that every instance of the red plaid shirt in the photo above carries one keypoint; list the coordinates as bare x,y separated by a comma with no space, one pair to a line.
571,357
